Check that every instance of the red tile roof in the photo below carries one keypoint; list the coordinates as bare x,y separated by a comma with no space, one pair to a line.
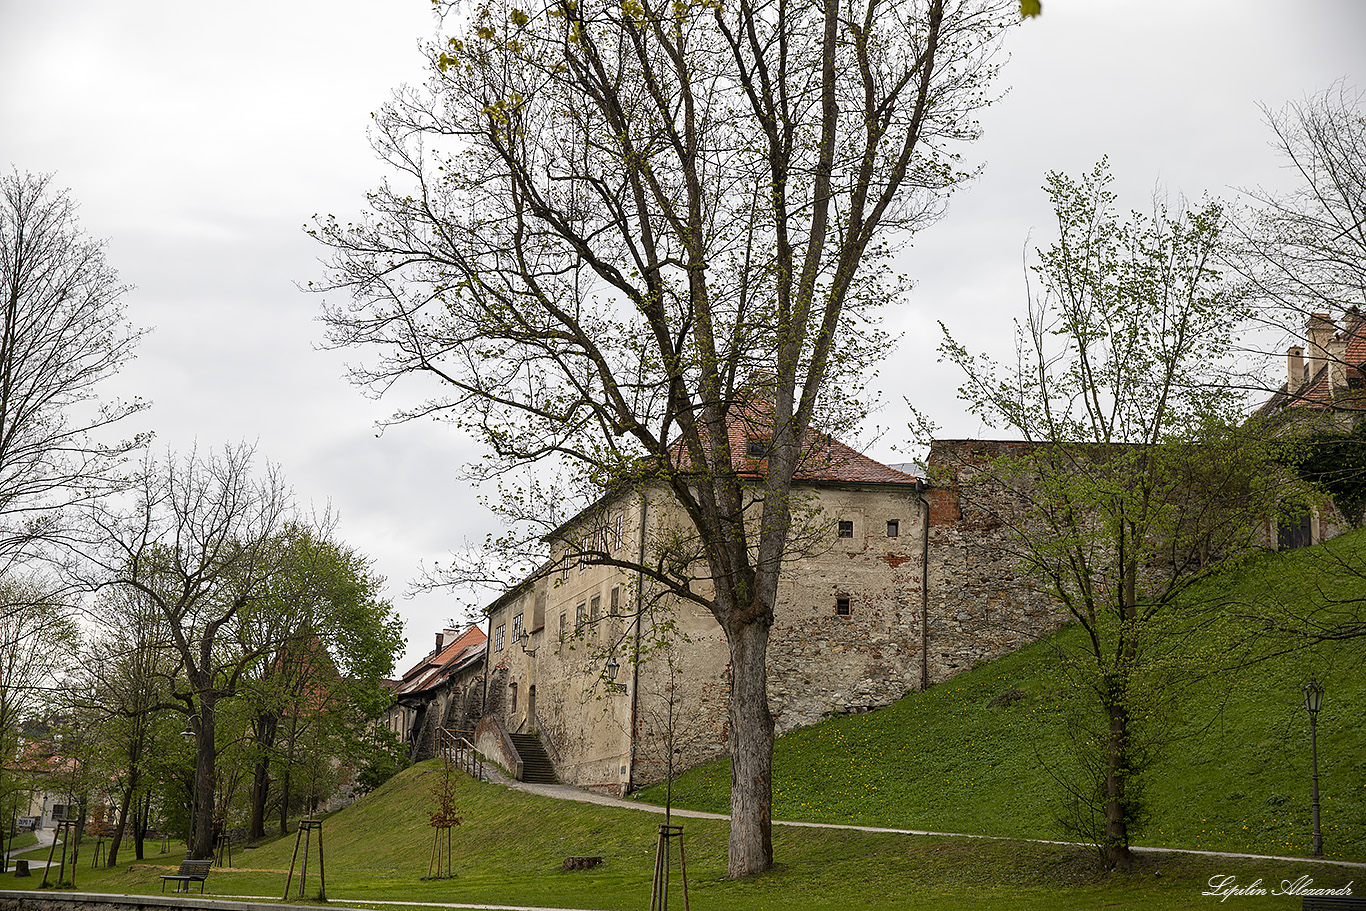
1317,391
823,459
438,665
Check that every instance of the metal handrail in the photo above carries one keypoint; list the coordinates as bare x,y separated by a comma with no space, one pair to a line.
457,748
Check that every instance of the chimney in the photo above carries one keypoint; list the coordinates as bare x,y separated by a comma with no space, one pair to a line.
1337,365
440,638
1294,369
1319,331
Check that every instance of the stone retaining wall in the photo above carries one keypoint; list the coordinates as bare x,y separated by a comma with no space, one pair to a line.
95,901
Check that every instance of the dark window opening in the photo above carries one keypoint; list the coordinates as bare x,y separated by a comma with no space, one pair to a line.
893,528
1294,529
756,449
846,529
842,606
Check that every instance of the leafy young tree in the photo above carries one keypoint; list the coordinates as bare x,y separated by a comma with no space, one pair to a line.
38,639
1137,475
62,331
608,219
330,639
129,673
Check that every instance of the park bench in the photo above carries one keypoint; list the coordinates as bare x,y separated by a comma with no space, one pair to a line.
191,871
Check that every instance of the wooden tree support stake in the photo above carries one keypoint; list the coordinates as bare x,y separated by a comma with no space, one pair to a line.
66,833
659,898
305,837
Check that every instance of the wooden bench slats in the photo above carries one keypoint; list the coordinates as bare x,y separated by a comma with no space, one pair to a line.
191,871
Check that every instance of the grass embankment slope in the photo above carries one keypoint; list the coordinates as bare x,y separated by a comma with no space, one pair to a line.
1235,778
510,849
1232,775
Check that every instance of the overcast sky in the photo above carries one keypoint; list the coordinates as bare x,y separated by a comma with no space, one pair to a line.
199,138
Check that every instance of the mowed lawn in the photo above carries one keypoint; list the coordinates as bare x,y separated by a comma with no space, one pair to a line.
985,753
511,846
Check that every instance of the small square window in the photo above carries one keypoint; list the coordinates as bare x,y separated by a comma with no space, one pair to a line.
893,528
842,606
756,449
846,529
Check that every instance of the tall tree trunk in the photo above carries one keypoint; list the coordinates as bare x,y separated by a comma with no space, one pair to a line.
260,790
135,747
287,778
125,802
141,822
751,752
204,780
1117,808
264,728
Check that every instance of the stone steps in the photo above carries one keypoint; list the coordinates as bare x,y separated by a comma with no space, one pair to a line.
536,765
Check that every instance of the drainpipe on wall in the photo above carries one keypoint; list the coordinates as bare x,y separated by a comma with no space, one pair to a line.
924,588
635,657
488,663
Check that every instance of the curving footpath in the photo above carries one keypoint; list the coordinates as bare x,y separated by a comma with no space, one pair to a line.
566,792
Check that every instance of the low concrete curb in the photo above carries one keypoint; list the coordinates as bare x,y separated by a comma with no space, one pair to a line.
49,900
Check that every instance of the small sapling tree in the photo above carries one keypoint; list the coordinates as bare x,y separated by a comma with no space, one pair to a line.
1139,474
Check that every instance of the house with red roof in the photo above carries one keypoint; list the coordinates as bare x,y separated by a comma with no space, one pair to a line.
1325,386
1324,393
444,689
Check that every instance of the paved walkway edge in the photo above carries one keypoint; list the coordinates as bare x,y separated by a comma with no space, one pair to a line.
566,792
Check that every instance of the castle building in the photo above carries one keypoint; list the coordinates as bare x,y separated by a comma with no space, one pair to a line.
619,680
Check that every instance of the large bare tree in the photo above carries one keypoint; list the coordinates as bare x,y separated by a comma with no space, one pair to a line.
62,332
197,550
613,227
1303,250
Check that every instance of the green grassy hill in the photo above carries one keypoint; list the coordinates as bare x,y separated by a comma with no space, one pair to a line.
982,753
958,758
511,845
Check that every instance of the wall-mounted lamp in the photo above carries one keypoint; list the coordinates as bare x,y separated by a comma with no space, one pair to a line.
613,668
523,640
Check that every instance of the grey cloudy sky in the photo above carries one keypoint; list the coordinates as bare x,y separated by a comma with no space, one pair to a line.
199,138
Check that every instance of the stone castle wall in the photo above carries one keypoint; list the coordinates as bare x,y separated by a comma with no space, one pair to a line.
849,633
982,605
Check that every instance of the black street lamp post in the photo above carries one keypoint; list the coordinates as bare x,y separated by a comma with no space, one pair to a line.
191,734
1313,701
